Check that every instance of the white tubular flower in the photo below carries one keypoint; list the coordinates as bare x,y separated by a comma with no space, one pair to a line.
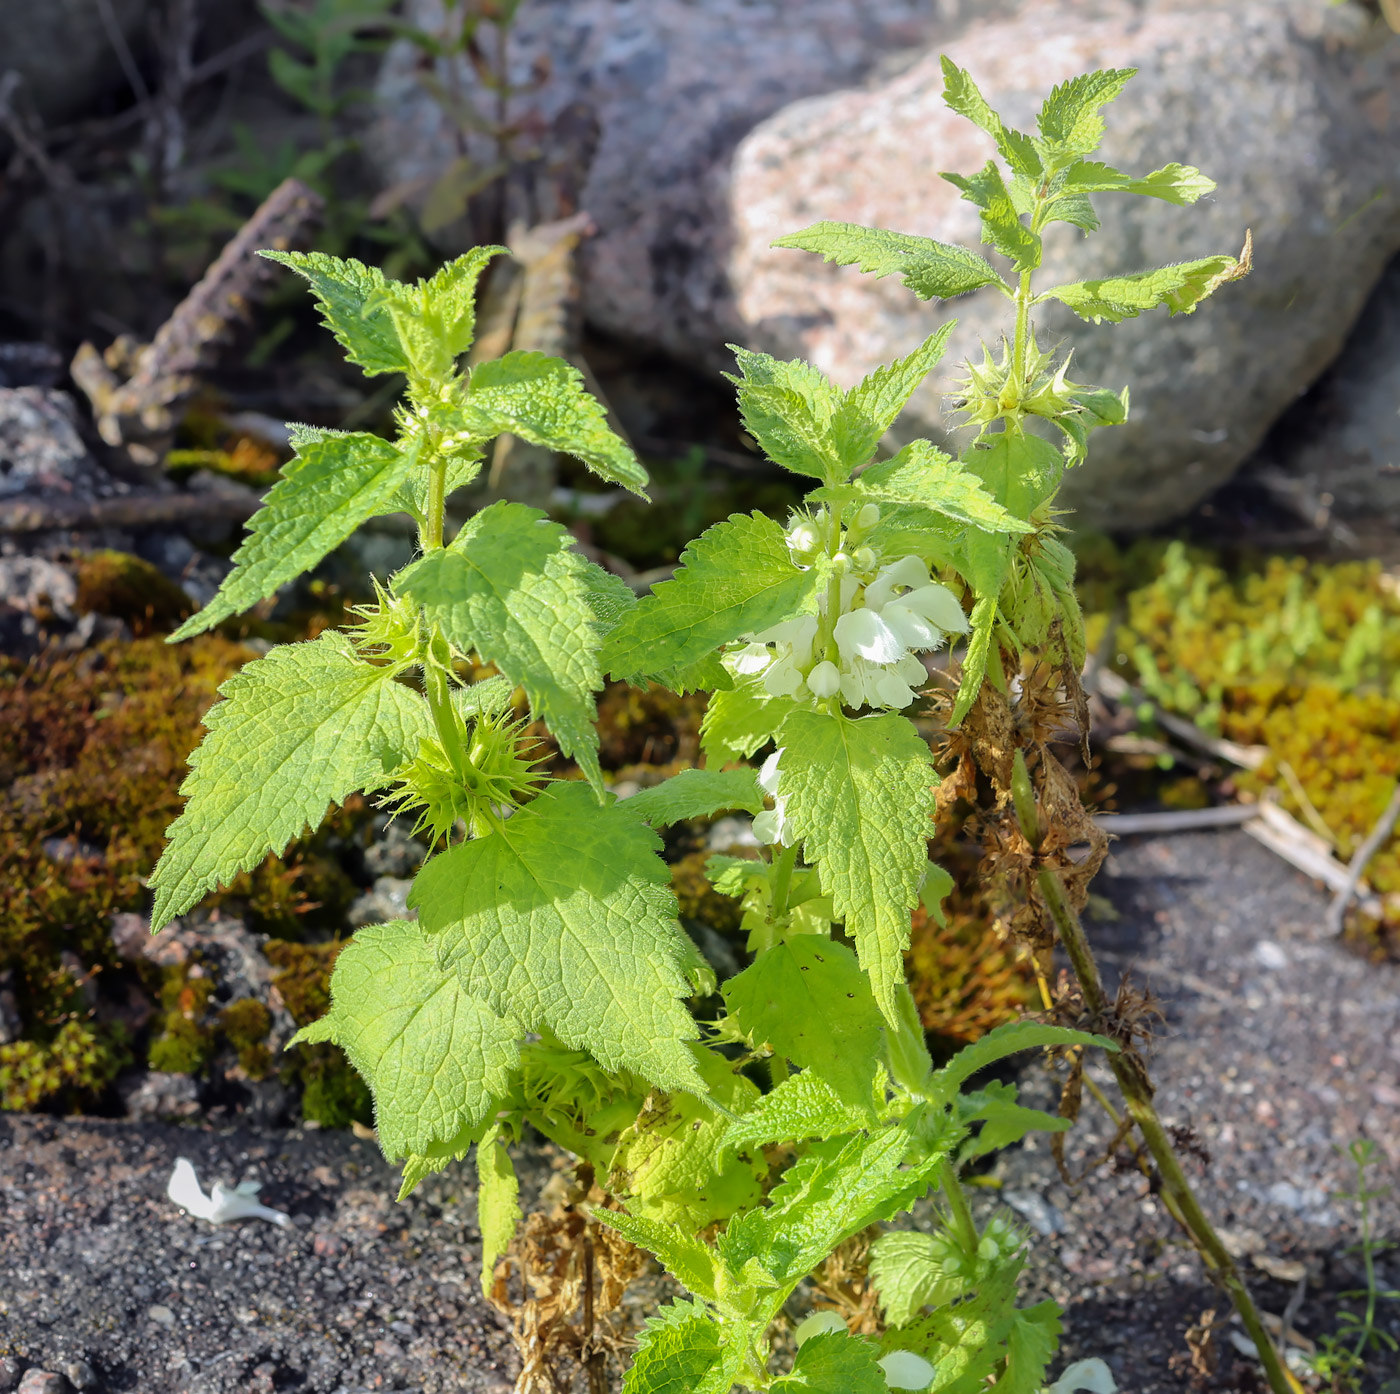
772,825
784,678
1085,1377
905,1370
907,572
825,679
224,1204
803,540
864,634
751,659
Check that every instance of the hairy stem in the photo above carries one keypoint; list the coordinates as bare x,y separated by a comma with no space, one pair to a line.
961,1215
1137,1094
430,537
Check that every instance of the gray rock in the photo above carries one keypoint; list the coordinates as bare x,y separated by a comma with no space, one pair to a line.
38,587
41,451
387,899
156,1094
1341,443
394,851
42,1382
80,1374
1317,179
10,1371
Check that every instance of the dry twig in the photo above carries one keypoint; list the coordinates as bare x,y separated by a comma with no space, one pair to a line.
1385,824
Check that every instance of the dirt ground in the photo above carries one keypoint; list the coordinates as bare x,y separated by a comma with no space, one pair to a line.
1279,1046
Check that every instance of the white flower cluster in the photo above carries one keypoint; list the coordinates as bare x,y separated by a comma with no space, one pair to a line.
772,826
886,615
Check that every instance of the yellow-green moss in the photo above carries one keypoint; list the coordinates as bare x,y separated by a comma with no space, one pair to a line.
697,899
130,589
77,1064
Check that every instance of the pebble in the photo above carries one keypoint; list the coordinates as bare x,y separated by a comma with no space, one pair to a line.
10,1371
42,1382
161,1314
80,1374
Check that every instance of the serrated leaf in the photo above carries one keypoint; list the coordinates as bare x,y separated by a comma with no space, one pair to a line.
681,1350
908,1270
543,400
1019,470
449,297
739,721
935,888
345,290
438,1156
512,587
1031,1343
809,1001
1180,288
803,1106
789,408
834,1362
873,405
859,794
564,917
435,1057
736,578
997,1044
665,1165
909,529
1173,183
706,674
696,794
923,475
929,268
963,96
609,595
979,653
687,1260
299,729
829,1194
331,486
1071,120
497,1202
1004,1121
1002,227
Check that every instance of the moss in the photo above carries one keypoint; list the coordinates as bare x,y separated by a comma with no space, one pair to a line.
246,1025
130,589
648,726
697,899
74,1067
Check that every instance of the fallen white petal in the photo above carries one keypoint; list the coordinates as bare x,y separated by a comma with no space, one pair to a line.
818,1324
226,1203
1086,1377
905,1370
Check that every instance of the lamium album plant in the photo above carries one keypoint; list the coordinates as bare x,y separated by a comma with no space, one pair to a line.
742,1132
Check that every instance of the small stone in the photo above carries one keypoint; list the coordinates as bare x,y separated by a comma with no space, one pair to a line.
161,1315
42,1382
80,1374
1270,955
10,1371
156,1094
327,1245
1284,1270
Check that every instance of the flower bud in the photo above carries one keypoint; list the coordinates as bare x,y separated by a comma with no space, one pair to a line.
803,538
868,516
825,679
865,557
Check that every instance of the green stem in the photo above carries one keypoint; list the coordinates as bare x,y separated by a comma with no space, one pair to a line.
1137,1094
1020,349
783,864
961,1215
430,538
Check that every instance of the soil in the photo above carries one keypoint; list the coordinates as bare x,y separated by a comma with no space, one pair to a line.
1279,1046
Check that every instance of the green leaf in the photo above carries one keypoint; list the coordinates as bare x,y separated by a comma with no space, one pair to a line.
909,1272
696,794
665,1166
834,1363
1019,470
1173,183
736,578
609,595
930,269
809,1001
497,1202
873,405
962,95
543,400
1180,288
860,796
438,1156
564,917
789,408
1002,227
1004,1121
512,587
922,474
679,1351
829,1194
687,1260
1000,1042
1071,120
345,291
1030,1345
935,888
299,729
331,486
436,1058
450,298
740,720
979,652
802,1106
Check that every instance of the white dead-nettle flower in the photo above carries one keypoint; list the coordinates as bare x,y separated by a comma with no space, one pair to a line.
226,1203
817,1324
772,826
883,624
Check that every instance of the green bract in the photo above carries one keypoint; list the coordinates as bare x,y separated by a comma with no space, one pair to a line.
547,980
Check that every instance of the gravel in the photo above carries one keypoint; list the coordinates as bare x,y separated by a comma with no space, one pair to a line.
1279,1047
